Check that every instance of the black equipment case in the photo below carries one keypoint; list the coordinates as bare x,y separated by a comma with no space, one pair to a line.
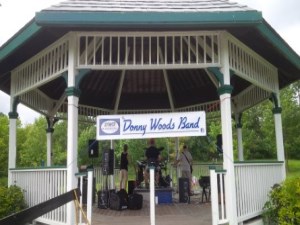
135,201
119,200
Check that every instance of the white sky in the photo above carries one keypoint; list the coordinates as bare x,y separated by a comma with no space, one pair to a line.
282,15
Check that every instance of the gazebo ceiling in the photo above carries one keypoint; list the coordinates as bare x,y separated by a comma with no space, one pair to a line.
144,89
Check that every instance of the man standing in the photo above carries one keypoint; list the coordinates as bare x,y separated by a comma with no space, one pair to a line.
185,159
124,167
153,157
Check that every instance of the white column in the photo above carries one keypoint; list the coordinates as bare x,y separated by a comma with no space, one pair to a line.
238,122
240,143
279,138
49,146
12,155
112,177
152,196
72,153
72,133
178,172
228,160
228,157
90,196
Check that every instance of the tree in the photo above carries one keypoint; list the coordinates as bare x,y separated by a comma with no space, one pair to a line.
258,132
33,149
3,144
290,120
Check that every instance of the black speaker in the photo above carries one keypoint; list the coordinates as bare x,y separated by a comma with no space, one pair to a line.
84,189
131,186
93,148
219,143
103,199
108,162
184,187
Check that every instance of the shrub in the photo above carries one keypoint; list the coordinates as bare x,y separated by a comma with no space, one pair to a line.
3,181
283,206
12,200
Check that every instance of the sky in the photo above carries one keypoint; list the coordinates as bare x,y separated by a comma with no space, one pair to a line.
282,15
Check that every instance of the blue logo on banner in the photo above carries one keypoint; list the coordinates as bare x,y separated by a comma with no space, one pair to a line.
109,127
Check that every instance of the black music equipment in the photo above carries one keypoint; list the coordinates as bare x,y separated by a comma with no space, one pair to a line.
84,189
103,199
119,200
93,148
108,162
184,189
131,186
219,143
135,201
140,172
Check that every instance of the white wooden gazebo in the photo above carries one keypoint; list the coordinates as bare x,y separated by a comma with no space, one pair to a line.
79,59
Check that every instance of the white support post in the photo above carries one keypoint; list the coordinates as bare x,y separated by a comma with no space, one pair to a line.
72,153
279,138
228,157
240,143
239,138
80,198
90,196
12,145
214,197
49,146
177,155
152,196
112,177
72,135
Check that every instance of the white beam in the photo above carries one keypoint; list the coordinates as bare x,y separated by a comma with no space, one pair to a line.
169,90
119,91
57,105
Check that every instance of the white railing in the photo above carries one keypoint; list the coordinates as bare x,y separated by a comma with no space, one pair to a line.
148,50
248,97
218,208
40,185
253,183
36,99
41,68
250,66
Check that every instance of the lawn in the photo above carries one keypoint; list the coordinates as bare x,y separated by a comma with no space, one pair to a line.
293,169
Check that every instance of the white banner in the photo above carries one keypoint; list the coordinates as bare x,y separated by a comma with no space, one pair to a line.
135,126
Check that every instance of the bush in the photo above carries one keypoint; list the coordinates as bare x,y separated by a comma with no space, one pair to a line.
3,181
12,200
283,206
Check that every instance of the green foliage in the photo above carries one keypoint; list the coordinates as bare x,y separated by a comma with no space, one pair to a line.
3,181
283,206
3,144
204,148
35,141
12,200
290,120
59,138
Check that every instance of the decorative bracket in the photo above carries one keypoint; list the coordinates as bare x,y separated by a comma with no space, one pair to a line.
274,98
50,122
14,114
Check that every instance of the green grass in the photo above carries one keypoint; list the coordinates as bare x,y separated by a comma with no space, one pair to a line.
293,169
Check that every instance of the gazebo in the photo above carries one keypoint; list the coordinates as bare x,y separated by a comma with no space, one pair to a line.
80,59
